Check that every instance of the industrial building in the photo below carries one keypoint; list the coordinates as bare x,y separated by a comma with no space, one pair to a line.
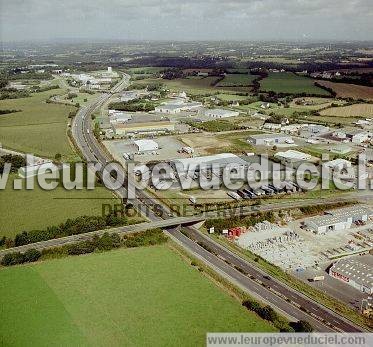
338,164
292,156
314,130
269,139
357,136
145,145
355,213
218,113
327,223
129,95
177,107
338,219
356,271
221,160
117,117
151,127
33,170
341,149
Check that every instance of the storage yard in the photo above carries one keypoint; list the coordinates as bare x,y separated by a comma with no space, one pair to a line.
295,248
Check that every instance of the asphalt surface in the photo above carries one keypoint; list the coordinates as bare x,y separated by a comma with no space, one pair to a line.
225,262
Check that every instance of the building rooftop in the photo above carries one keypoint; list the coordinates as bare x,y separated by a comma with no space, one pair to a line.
293,155
338,162
269,136
350,210
222,160
326,220
220,111
146,143
359,269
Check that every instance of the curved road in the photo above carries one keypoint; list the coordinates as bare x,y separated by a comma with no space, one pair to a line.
241,272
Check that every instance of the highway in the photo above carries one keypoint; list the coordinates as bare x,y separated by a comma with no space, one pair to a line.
291,303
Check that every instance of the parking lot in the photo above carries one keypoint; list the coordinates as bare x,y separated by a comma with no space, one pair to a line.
168,149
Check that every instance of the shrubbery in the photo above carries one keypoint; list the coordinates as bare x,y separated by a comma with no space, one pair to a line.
17,161
75,226
105,242
269,314
234,221
19,258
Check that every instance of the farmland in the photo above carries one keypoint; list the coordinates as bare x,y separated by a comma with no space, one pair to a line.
356,110
46,208
289,83
137,296
40,127
353,91
237,80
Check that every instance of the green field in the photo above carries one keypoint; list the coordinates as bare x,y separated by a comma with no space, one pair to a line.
286,82
39,129
128,297
237,80
37,209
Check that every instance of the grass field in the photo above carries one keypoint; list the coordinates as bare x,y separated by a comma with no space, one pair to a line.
237,80
357,110
345,90
194,85
128,297
212,143
39,129
33,209
286,82
146,70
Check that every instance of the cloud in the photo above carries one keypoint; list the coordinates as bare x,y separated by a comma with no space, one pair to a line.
185,19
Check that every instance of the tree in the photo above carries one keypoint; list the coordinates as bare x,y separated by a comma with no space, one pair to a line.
302,327
58,156
268,313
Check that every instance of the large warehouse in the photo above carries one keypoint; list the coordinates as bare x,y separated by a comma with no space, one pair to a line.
218,113
222,159
327,223
269,139
338,219
355,271
146,145
151,127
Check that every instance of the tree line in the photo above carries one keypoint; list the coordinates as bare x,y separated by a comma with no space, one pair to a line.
79,225
106,242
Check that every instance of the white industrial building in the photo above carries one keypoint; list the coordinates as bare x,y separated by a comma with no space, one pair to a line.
355,213
314,130
271,126
270,139
218,113
33,170
129,95
356,271
338,164
146,145
119,117
291,156
327,223
338,219
177,107
357,136
221,160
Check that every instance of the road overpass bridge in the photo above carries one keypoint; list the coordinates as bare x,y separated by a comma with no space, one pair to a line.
162,224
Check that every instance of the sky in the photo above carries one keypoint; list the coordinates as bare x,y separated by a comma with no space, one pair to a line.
186,20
